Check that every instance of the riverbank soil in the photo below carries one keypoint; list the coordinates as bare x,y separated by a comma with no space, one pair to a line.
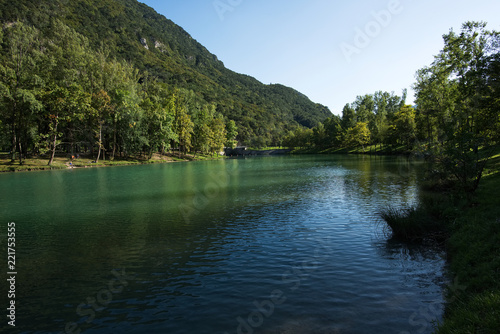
63,162
474,253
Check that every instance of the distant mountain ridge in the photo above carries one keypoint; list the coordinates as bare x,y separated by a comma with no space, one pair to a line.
157,46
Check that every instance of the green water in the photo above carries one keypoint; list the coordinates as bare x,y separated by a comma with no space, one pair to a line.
261,245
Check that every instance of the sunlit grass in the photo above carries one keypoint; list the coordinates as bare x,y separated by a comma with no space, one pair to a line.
30,164
41,163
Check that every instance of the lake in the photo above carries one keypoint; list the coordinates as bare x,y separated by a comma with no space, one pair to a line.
288,244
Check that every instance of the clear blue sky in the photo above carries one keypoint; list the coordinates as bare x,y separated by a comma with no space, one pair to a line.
332,51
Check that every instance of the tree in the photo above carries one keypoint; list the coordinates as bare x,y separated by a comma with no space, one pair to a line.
218,134
436,95
202,130
101,107
333,131
64,99
319,136
158,121
358,135
122,85
364,107
61,107
491,98
300,138
348,117
183,125
19,84
403,126
460,73
231,134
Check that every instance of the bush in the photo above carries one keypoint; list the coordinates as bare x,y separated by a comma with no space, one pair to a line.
413,223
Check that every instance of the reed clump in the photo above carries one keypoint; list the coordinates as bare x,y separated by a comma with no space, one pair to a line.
414,223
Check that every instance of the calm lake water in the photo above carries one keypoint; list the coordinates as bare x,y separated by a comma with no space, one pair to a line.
262,245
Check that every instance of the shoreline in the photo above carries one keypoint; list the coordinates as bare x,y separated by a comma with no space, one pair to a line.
39,164
469,225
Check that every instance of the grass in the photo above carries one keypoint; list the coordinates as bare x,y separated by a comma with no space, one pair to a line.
266,148
31,164
474,253
60,162
369,149
372,149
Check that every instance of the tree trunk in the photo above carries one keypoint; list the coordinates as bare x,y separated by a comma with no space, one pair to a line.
53,150
54,144
20,152
114,142
100,143
13,149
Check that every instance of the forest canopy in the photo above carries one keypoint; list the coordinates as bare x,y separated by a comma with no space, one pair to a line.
101,75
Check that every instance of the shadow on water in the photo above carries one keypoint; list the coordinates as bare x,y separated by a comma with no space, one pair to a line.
207,273
422,266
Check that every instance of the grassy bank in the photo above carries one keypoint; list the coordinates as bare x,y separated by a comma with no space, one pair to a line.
471,231
369,149
474,253
41,163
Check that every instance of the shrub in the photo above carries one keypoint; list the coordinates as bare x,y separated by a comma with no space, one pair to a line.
412,223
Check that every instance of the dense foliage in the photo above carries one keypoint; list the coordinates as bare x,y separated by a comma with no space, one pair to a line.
379,119
59,93
456,118
115,76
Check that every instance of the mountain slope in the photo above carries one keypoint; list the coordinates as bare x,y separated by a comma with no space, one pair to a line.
155,45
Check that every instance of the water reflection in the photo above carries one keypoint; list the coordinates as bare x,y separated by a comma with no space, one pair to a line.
299,232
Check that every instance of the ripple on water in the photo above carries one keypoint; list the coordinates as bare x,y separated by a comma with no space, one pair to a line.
302,227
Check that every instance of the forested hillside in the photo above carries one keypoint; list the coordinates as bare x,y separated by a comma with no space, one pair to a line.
88,71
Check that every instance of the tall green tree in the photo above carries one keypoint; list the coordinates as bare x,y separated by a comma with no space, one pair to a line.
62,106
333,131
436,95
364,107
202,131
20,83
231,134
218,134
359,135
403,127
460,73
348,117
101,104
124,92
183,125
64,99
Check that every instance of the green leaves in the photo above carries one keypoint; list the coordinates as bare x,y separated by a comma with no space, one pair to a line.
403,126
358,135
455,97
263,113
231,133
